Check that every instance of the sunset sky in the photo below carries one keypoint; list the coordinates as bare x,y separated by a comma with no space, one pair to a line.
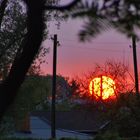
76,58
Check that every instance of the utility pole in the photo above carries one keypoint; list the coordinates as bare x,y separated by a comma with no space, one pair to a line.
101,87
93,89
135,65
53,129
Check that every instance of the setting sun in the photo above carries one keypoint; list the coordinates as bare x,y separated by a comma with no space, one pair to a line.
102,87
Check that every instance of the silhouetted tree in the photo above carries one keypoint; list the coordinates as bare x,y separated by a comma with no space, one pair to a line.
25,56
12,31
74,87
22,62
116,70
123,15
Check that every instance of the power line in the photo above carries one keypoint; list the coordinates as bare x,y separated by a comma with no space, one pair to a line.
96,42
93,48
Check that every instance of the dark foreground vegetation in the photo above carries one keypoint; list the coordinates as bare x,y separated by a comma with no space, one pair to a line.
124,116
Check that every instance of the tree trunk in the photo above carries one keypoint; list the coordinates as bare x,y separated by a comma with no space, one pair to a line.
32,42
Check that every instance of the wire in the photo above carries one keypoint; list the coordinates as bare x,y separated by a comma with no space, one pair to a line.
92,48
73,41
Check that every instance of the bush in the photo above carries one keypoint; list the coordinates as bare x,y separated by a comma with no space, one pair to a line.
125,115
6,126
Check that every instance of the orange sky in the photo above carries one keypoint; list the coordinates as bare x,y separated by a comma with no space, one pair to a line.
76,58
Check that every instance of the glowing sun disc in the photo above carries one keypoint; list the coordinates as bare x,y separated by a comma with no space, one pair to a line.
102,87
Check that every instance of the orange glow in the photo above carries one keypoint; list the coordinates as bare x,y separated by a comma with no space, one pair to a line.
102,87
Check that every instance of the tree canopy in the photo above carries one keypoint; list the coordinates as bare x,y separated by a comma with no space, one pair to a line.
101,15
12,31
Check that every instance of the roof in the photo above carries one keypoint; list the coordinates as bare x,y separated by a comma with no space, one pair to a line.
74,120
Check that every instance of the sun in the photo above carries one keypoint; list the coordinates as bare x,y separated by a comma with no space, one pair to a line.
102,87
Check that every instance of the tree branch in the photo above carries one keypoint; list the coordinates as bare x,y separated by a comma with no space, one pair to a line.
2,10
62,8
